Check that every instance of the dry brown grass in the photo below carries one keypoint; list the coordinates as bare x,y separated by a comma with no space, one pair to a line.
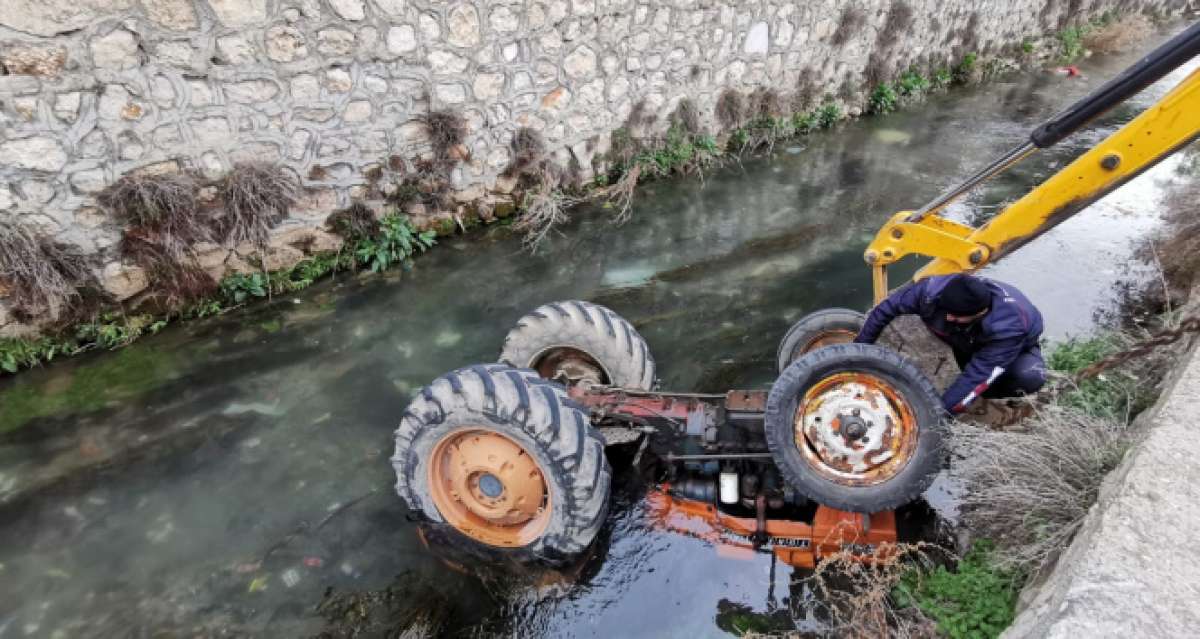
167,201
765,102
1030,489
446,130
1124,34
687,116
851,22
257,197
730,109
354,222
855,596
42,278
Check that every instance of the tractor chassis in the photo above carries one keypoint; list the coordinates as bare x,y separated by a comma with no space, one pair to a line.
699,437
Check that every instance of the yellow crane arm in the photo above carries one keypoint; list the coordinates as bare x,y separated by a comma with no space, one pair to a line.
1161,130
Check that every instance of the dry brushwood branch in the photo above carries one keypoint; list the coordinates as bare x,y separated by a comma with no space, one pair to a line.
1030,490
169,264
854,594
257,197
43,277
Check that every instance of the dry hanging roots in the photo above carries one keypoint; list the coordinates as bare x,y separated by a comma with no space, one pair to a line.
42,276
257,197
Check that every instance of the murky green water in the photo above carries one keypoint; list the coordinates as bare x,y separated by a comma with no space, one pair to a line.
256,433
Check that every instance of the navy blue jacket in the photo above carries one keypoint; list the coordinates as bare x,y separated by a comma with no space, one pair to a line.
991,345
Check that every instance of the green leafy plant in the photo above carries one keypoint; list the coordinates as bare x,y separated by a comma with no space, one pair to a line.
1070,43
942,77
912,82
883,99
829,115
1027,46
965,67
1115,394
975,600
395,244
240,287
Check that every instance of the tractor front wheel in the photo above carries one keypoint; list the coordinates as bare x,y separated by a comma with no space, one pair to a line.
507,460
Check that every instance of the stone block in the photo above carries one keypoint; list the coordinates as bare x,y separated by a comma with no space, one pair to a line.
117,50
33,59
251,91
462,25
236,49
357,111
401,39
35,154
391,7
335,42
123,281
338,80
285,44
239,13
177,15
52,17
580,63
88,182
349,9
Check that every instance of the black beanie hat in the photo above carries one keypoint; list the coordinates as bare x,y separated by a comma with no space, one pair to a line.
964,295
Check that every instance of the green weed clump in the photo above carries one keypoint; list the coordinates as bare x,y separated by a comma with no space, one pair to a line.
396,243
974,600
1115,394
884,99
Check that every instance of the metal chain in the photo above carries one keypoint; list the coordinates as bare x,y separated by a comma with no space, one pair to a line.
1162,338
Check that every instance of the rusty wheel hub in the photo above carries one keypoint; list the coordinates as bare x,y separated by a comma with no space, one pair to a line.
569,366
855,429
488,487
828,338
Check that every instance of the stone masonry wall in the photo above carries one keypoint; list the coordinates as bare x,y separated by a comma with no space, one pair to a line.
93,89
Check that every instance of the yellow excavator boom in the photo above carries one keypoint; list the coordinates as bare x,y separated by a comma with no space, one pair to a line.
1161,130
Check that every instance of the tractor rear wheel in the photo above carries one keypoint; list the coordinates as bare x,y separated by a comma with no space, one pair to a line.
856,427
818,329
576,341
506,459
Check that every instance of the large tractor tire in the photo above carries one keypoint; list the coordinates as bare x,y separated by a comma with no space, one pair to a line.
506,459
577,341
818,329
856,427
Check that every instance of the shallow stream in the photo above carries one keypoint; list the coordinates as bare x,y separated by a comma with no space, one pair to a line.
261,476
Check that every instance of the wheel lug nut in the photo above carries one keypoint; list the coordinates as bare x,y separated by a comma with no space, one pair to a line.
855,412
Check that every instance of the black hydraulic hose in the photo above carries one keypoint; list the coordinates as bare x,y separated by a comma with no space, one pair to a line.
1163,60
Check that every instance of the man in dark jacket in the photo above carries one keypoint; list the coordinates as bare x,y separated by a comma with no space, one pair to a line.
991,326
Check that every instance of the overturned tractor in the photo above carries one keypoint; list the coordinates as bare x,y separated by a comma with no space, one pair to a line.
512,455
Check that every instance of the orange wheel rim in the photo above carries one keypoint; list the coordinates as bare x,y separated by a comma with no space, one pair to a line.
855,429
489,488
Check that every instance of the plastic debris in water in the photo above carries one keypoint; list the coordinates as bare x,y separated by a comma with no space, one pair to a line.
290,577
346,568
257,584
245,568
447,339
795,150
313,562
